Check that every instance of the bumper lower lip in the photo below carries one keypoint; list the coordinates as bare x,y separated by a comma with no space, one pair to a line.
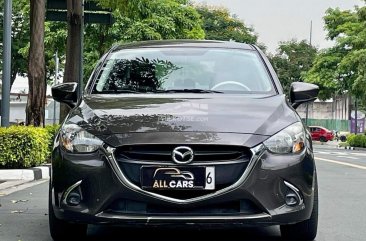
261,219
184,219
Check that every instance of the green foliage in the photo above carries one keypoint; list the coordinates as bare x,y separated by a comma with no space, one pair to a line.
322,73
141,20
55,39
52,131
342,68
356,140
220,25
20,36
292,61
22,147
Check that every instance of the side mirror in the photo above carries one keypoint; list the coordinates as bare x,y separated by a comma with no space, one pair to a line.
302,92
65,93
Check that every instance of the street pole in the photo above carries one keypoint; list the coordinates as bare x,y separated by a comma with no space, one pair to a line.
311,32
55,83
5,92
81,62
356,117
307,114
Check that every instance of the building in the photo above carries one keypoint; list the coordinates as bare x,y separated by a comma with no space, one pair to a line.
18,103
334,114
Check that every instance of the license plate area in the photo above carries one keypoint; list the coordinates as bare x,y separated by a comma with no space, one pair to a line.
177,178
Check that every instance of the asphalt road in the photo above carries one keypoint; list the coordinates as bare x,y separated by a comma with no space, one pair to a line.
342,183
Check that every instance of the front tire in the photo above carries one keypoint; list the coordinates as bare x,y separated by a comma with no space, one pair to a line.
305,230
323,139
61,230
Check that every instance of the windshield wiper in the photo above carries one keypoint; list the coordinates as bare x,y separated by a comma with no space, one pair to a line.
119,92
188,91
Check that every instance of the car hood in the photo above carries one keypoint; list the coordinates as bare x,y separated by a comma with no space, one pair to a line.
106,115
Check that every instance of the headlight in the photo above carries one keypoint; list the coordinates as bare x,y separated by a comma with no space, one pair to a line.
289,140
75,139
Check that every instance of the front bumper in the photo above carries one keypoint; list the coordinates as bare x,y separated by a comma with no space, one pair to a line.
260,193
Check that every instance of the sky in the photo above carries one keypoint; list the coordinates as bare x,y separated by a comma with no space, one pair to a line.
283,20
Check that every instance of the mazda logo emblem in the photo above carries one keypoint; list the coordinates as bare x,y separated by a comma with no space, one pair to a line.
182,155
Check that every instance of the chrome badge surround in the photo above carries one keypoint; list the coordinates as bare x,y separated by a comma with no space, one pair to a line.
182,152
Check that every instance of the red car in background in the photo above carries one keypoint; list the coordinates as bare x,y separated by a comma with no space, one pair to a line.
322,134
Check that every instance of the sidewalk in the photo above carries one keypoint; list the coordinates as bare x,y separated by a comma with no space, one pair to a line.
335,144
29,174
328,143
12,180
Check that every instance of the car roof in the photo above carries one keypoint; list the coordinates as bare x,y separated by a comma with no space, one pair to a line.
184,43
321,127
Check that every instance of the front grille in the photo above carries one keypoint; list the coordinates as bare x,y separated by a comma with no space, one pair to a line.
163,153
230,162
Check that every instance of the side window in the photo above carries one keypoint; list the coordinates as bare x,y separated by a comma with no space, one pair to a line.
96,70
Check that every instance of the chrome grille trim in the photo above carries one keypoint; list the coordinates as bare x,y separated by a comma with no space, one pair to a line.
163,153
191,164
109,152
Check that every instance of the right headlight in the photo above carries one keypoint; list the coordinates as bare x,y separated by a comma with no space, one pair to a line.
289,140
75,139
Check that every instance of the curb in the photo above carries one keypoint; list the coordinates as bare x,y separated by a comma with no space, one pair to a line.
349,148
352,148
31,174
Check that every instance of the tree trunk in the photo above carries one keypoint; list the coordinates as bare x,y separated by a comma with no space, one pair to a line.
13,77
35,110
72,66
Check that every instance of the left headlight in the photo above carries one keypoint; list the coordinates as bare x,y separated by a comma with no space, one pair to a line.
289,140
75,139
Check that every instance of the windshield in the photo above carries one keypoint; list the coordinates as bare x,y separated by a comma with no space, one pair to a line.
196,70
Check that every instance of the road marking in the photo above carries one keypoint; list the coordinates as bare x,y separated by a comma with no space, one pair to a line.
349,157
340,153
341,163
10,189
358,154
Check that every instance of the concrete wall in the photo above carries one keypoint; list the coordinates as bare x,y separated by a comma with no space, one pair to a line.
337,109
18,106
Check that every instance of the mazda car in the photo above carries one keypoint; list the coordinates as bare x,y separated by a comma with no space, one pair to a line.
183,133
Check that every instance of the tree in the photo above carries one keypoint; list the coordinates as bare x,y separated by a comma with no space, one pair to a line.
292,61
220,25
151,20
72,65
55,36
134,21
323,73
20,37
341,69
74,16
36,65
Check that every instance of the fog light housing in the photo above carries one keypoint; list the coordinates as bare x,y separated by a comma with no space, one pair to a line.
291,199
293,196
73,196
73,199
